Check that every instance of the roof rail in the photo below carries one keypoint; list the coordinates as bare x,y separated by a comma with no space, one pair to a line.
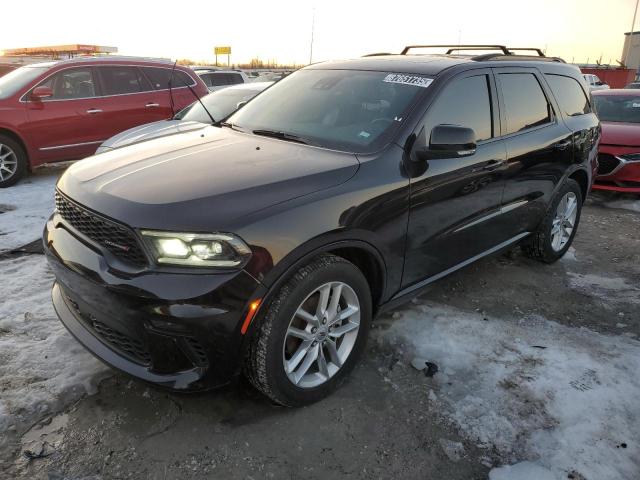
378,54
499,56
453,48
522,49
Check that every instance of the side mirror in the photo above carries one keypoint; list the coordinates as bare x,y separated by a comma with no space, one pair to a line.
449,141
40,93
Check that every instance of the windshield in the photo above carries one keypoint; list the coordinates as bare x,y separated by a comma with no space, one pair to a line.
618,108
15,80
348,110
220,104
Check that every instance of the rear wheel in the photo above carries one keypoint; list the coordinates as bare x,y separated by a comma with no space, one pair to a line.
557,230
312,333
13,161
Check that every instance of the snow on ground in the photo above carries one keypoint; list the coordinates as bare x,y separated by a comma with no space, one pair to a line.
25,207
42,368
564,400
610,291
633,205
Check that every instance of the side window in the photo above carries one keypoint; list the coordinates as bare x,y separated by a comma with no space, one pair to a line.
235,78
182,79
524,101
159,78
465,102
71,83
571,98
219,79
121,80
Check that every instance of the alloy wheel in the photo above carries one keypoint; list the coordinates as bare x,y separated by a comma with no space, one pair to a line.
8,162
564,221
321,335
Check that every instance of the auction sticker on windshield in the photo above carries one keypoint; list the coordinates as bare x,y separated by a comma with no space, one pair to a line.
415,80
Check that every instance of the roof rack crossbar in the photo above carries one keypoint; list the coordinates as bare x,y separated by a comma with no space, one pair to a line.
452,48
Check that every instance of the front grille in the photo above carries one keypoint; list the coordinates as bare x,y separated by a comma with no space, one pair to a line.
607,163
110,235
132,347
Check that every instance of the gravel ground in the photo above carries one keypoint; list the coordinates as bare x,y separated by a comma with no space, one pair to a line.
382,423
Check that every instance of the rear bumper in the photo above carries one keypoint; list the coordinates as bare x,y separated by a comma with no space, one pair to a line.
176,330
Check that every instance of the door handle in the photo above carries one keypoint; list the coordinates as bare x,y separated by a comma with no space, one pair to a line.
489,166
562,145
91,111
151,105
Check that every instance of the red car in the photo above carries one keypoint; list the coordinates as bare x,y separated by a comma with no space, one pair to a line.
619,154
64,110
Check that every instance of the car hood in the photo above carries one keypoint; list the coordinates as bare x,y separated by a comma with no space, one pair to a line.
148,131
625,134
203,180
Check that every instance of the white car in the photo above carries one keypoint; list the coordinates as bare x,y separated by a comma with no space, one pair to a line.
194,117
595,83
219,79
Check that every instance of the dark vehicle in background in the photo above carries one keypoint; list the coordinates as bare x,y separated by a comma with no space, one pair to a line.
267,245
63,110
619,156
6,68
633,85
196,116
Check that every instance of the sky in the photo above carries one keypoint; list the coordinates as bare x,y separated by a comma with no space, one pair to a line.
577,30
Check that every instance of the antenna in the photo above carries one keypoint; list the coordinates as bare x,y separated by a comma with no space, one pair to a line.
313,24
213,121
173,110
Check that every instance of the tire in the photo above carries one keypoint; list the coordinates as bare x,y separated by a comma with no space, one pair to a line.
542,245
272,345
11,151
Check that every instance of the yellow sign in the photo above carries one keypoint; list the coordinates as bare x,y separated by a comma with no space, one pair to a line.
222,50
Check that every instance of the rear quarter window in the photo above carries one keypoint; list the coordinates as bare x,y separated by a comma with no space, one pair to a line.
160,76
571,97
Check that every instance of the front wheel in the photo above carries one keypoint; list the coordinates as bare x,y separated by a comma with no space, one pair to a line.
312,332
13,161
555,234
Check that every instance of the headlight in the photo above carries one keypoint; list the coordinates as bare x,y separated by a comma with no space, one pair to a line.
221,250
631,157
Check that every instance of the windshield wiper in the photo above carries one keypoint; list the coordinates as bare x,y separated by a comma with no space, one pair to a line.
290,137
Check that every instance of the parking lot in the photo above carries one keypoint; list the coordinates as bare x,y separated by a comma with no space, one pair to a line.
536,366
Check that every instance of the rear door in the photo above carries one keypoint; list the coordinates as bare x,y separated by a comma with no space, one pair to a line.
181,95
539,147
456,201
70,124
129,99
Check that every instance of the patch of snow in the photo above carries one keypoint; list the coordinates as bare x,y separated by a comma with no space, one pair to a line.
42,367
567,407
633,205
522,471
610,290
453,450
26,207
570,255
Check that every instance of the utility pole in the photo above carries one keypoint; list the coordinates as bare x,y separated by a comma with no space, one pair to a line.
313,24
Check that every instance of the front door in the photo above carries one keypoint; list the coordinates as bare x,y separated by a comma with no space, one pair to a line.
455,202
69,124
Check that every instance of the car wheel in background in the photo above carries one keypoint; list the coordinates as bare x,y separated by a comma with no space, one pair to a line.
558,228
312,332
13,161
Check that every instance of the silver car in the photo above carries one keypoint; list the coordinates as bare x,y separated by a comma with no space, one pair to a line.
220,105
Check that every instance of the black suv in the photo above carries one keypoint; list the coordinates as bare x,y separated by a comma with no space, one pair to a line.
267,244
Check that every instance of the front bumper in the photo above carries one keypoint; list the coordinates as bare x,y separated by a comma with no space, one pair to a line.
179,330
617,174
